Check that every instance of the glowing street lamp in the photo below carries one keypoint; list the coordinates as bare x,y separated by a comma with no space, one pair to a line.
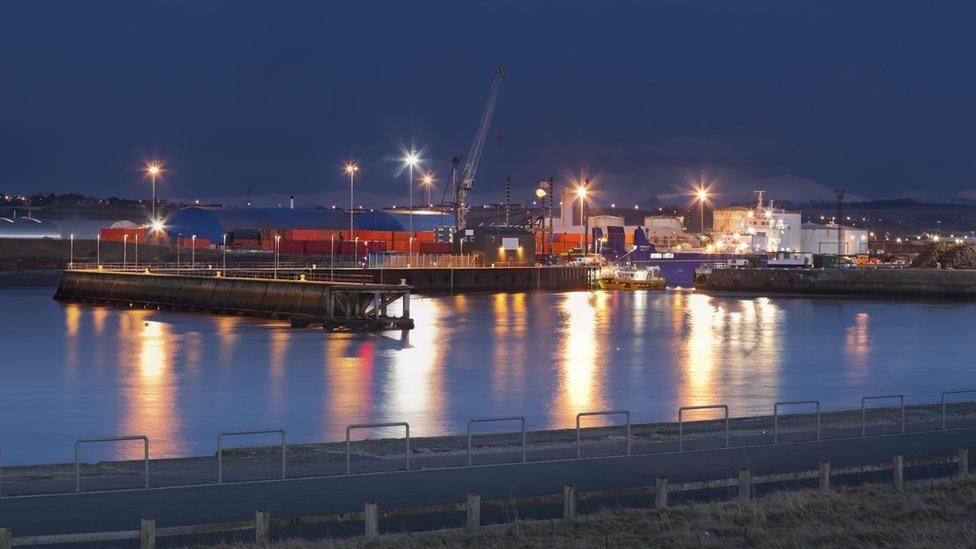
428,182
581,193
125,240
277,243
98,249
224,256
411,160
71,251
351,168
702,195
193,251
136,261
153,169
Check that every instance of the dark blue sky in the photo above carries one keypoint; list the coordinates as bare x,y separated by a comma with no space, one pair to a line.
875,97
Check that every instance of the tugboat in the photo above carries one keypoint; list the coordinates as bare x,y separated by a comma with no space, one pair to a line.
631,278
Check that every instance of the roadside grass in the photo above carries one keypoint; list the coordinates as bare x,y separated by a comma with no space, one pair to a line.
931,515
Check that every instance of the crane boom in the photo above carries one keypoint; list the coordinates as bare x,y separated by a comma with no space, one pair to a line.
466,182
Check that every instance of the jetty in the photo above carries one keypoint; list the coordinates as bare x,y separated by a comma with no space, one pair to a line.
352,302
850,281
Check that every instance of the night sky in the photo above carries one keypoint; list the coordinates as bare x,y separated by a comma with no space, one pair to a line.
644,97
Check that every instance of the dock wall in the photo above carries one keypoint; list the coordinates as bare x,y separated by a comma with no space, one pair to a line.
475,279
332,304
860,281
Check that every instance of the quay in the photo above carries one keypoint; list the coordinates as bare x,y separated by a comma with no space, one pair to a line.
853,281
335,304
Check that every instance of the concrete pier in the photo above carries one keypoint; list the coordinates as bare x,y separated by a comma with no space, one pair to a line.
475,279
859,281
335,305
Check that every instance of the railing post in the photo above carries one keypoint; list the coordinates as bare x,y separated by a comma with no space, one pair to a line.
262,527
569,502
745,484
372,521
147,534
824,476
661,492
474,513
963,463
898,472
5,539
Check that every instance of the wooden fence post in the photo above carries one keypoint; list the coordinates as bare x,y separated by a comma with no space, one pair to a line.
569,502
745,484
474,513
5,538
963,463
147,534
372,521
824,476
661,492
262,527
898,472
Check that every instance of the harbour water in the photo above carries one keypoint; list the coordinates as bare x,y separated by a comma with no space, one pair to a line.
72,370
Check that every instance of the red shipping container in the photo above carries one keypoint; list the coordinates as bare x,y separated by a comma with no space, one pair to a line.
435,247
321,247
291,247
188,242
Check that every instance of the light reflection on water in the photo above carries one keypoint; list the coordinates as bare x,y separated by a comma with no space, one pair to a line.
181,378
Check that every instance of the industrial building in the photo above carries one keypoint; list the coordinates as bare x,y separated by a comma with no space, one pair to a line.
834,239
27,227
499,245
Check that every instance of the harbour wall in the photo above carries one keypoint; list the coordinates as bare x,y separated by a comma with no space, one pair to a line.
479,279
859,281
303,302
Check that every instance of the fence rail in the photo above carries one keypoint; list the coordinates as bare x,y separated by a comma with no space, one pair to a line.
629,437
744,481
220,448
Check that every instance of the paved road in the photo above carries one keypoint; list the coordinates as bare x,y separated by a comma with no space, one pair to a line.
107,511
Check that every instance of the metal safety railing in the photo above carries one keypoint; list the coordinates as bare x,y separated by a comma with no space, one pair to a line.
349,429
942,401
776,406
523,430
579,435
220,448
684,409
80,441
865,399
492,420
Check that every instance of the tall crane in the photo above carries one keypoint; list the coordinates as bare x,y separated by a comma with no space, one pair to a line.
464,181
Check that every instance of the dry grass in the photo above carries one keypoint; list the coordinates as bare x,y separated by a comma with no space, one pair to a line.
937,515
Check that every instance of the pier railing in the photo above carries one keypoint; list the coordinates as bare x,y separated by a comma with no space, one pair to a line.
655,443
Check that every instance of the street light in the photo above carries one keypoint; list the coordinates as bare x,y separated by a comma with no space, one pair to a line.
179,244
125,240
276,248
137,252
153,169
71,251
702,196
581,193
98,249
428,181
224,258
332,256
193,251
351,168
411,159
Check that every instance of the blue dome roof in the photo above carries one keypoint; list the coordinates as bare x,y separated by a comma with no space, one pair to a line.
213,222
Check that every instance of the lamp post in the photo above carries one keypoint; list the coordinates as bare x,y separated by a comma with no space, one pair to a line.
332,257
125,240
98,250
71,251
223,265
351,169
411,159
429,182
193,251
179,244
136,260
702,195
153,169
581,193
355,247
276,248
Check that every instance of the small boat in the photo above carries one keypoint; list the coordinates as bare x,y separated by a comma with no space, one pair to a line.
631,279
